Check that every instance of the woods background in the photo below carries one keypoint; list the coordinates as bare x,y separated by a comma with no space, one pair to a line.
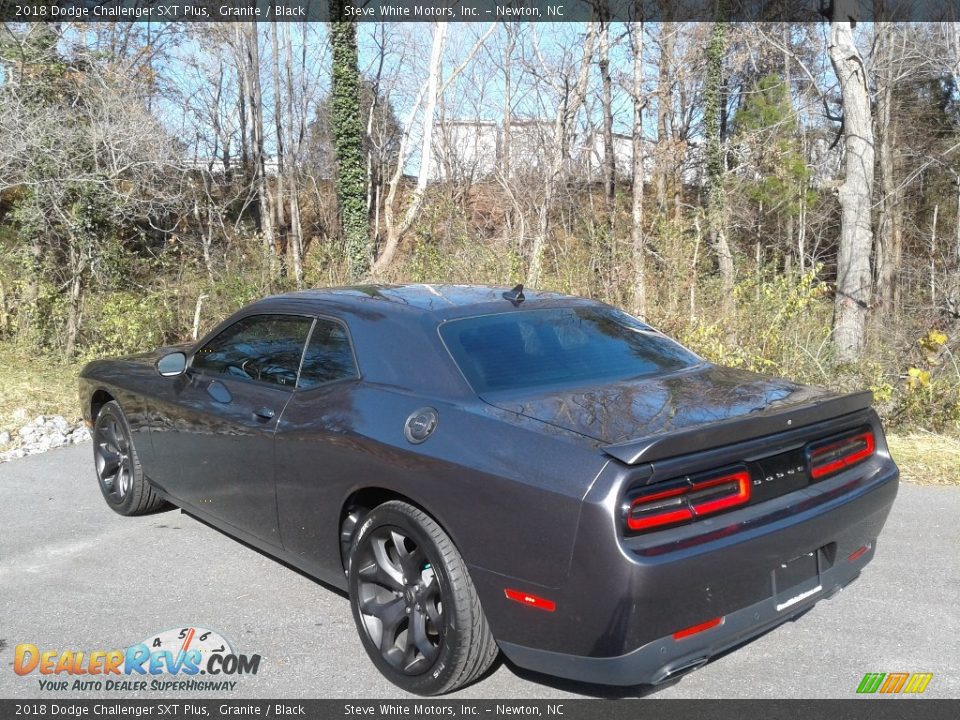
780,197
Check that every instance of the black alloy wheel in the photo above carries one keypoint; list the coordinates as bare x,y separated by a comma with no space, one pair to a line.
112,454
119,473
414,604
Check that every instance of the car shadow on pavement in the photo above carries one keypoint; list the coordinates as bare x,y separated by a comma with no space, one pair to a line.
268,556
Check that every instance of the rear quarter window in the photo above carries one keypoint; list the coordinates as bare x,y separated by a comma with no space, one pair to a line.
558,346
329,356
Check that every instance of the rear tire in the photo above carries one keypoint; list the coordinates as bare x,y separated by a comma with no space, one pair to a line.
119,473
415,607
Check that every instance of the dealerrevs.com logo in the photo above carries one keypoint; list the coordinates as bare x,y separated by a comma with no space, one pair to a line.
171,660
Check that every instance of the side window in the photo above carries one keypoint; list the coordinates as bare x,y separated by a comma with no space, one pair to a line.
329,356
266,348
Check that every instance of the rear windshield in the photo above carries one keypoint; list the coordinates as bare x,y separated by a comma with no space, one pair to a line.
561,346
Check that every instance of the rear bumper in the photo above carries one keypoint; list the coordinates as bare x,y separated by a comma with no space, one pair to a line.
667,658
615,617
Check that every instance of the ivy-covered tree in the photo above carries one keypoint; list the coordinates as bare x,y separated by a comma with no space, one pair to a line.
346,125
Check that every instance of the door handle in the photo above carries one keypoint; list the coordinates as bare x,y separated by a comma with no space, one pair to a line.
265,413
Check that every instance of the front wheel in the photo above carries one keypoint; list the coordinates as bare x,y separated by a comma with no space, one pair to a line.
414,604
121,478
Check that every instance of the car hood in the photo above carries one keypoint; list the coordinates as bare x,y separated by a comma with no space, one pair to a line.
620,411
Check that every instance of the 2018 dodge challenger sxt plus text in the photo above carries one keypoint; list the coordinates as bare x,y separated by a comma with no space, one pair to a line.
485,470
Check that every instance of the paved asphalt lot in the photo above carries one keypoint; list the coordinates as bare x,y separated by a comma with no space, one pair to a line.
75,575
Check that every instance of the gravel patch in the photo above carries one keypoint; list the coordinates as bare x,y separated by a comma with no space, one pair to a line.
43,433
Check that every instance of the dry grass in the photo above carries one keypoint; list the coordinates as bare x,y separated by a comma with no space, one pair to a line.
927,458
35,385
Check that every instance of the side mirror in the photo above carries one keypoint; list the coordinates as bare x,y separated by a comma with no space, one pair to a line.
172,365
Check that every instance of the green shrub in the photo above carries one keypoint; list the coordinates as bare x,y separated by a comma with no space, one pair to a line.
127,322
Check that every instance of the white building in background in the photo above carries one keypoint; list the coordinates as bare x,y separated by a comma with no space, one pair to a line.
465,150
474,149
529,140
593,154
471,150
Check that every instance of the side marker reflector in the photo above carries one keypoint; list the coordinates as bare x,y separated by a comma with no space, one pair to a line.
859,552
530,600
694,629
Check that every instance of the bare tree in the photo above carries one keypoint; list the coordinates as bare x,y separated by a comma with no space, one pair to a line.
609,159
665,166
569,82
638,239
856,190
91,166
714,109
395,230
429,95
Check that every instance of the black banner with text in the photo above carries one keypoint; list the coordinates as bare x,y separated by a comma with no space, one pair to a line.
473,10
457,709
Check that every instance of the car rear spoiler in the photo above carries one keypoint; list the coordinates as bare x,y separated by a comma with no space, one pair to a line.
727,432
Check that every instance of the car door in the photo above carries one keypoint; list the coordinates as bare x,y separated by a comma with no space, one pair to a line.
316,445
214,428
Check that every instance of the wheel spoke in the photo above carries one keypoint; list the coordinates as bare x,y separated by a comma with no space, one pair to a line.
389,633
417,635
120,482
390,613
381,570
110,436
121,436
110,481
433,614
411,561
111,461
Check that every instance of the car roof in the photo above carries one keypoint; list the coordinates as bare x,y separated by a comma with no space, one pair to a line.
442,301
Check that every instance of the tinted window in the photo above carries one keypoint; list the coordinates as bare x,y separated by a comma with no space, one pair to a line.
266,348
535,348
328,357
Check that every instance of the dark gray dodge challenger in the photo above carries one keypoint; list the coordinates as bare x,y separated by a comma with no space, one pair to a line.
487,469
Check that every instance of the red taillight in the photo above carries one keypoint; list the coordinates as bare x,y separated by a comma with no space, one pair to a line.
835,455
694,629
694,498
531,600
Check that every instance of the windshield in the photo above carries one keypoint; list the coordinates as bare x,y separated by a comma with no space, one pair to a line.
561,346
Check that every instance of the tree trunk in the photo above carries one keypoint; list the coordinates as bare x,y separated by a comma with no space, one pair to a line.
279,215
242,112
856,192
293,161
638,240
75,300
933,257
510,29
664,107
716,201
889,220
609,160
953,278
260,181
788,82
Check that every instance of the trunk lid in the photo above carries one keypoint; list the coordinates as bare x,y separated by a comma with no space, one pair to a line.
645,419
